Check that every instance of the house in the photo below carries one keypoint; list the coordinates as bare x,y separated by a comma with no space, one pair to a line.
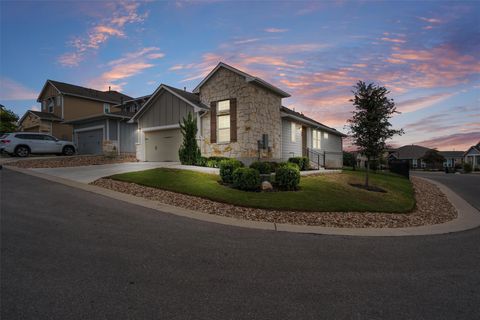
472,156
238,116
452,158
61,102
411,153
109,131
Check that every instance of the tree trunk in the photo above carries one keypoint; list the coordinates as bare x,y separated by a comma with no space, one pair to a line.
366,172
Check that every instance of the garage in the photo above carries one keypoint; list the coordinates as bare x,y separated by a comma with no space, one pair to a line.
163,145
90,142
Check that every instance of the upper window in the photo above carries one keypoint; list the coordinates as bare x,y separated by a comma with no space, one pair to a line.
325,135
316,139
106,108
44,105
50,105
223,121
293,131
59,100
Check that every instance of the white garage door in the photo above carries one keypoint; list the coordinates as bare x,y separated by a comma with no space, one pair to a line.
163,145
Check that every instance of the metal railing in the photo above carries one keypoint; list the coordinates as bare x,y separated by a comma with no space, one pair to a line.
322,159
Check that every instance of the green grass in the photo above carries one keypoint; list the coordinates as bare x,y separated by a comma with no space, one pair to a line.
317,193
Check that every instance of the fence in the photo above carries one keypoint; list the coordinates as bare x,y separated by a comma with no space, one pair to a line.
325,159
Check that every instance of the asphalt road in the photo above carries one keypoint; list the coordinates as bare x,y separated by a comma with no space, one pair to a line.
465,185
71,254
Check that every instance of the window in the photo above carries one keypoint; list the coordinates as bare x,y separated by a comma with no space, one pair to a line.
59,100
325,135
44,105
223,121
316,139
293,131
48,138
106,108
414,163
50,105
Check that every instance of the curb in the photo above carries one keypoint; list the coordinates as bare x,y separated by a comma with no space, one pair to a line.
468,217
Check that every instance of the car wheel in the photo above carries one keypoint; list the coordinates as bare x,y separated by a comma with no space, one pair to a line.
22,151
68,151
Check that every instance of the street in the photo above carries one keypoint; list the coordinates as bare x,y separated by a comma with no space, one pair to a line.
72,254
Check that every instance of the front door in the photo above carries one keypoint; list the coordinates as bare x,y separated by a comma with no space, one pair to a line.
304,141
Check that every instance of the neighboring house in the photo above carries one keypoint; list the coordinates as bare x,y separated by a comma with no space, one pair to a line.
472,156
66,102
452,158
411,153
109,131
238,116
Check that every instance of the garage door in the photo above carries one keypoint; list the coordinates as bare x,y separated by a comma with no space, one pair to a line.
163,145
90,142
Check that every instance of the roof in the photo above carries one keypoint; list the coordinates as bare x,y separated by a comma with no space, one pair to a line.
475,147
110,96
140,100
410,152
190,98
452,154
42,115
301,117
111,115
248,78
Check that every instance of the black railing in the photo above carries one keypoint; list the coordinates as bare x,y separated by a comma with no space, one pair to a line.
316,157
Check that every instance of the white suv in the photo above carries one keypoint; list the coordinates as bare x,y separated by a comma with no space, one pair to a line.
21,144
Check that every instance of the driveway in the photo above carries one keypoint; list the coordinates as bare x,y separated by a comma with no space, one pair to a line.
466,186
71,254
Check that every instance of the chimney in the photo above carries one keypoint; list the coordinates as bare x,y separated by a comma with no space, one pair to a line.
184,88
109,88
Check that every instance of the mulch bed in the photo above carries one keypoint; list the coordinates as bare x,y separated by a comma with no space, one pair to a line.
432,207
74,161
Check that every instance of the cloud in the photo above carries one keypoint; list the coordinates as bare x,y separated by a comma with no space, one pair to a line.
430,20
35,108
457,141
243,41
129,65
394,40
419,103
121,14
12,90
275,30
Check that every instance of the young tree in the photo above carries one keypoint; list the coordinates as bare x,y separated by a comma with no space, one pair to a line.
370,125
433,157
189,151
8,120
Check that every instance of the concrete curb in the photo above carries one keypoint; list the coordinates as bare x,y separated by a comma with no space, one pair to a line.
468,216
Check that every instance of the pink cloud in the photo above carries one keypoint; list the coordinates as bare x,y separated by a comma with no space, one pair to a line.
275,30
419,103
457,141
430,20
12,90
394,40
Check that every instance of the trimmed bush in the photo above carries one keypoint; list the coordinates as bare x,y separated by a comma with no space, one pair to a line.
246,179
287,176
261,167
214,162
201,162
302,162
226,169
467,167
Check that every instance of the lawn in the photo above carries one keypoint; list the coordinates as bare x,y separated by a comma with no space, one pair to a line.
317,193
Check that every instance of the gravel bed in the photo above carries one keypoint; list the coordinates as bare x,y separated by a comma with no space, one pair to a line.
73,161
432,207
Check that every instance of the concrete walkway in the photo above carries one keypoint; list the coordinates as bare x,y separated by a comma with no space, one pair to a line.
468,217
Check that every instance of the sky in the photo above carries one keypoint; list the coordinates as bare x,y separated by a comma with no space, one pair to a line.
426,53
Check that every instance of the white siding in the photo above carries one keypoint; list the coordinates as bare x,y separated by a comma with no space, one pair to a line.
289,148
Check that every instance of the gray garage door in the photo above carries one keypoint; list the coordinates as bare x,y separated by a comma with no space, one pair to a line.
90,142
163,145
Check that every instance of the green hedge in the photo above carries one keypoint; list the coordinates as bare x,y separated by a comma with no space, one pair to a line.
246,179
302,162
287,176
467,167
226,169
262,167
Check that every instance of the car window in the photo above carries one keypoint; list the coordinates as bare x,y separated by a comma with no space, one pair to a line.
22,136
49,138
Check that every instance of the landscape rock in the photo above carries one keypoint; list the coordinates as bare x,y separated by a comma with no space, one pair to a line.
266,186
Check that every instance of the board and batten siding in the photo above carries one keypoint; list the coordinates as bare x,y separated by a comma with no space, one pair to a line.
166,109
290,148
128,137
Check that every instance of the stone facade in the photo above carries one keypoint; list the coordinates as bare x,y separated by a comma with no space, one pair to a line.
258,113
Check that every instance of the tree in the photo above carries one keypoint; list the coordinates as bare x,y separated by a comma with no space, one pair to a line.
8,120
433,157
189,151
349,159
370,125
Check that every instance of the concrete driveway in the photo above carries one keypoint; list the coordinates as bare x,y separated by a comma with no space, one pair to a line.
87,174
466,186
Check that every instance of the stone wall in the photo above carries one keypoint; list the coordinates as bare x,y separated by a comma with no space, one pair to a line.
258,112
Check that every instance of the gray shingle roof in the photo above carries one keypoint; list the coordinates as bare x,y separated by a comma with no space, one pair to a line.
106,96
302,116
192,97
452,154
410,152
46,115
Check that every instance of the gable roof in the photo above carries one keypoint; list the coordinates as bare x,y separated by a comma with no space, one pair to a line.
190,98
111,96
247,77
314,123
410,152
452,154
42,115
474,148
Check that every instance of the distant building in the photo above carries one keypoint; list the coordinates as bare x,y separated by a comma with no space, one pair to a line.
452,158
472,156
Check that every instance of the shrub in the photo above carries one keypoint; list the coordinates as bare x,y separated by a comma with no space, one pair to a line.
302,162
189,151
226,169
261,167
201,161
246,179
467,167
214,162
287,176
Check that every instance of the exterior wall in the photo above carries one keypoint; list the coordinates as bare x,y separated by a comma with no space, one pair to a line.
75,108
166,109
258,112
128,137
86,125
32,123
51,92
289,148
112,129
62,131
